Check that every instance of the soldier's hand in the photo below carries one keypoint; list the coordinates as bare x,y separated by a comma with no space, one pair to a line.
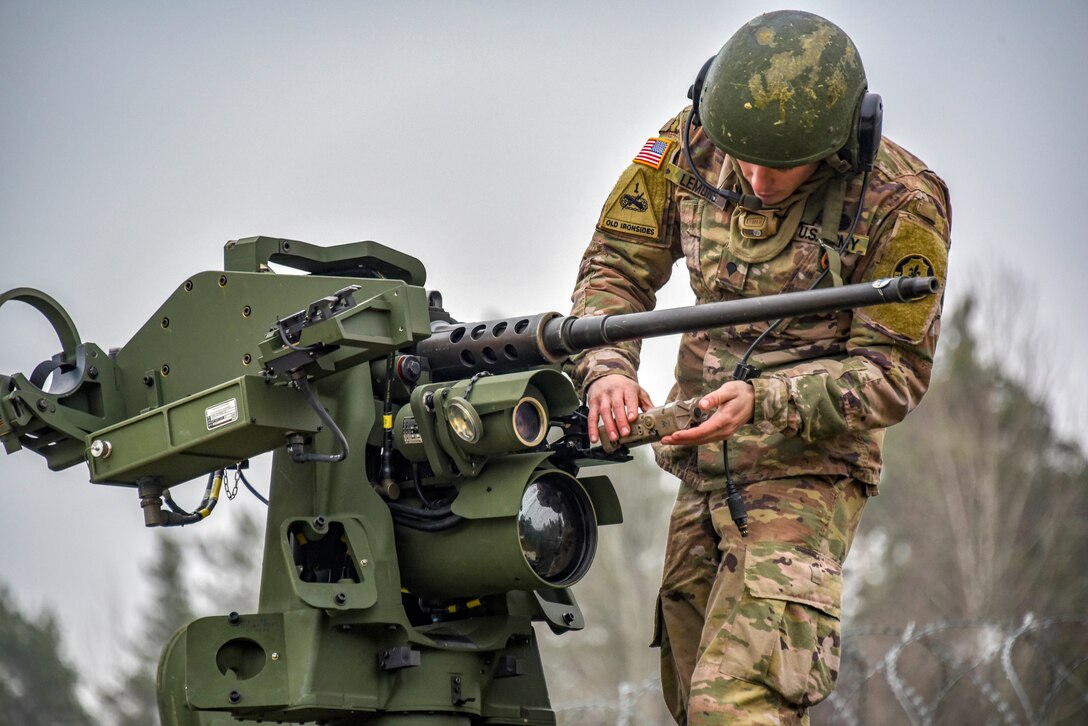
616,399
735,402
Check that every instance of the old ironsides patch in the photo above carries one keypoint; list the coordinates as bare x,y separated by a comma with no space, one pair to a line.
636,205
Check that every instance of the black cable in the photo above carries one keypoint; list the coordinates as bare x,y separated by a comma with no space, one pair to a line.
406,510
435,525
419,488
426,520
249,486
387,426
169,501
288,343
203,510
737,511
296,451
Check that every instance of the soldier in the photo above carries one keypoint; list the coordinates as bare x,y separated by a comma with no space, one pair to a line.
775,180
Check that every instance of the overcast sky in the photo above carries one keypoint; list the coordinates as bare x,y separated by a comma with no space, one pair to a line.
137,138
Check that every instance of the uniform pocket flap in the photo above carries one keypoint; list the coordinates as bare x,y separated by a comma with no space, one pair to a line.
784,572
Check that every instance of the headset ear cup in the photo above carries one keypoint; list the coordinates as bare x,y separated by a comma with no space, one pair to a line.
870,123
696,90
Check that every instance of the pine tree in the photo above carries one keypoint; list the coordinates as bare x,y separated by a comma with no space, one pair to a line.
132,702
980,488
37,686
228,573
982,527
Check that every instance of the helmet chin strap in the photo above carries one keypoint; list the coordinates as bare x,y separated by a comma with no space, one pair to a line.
748,201
838,163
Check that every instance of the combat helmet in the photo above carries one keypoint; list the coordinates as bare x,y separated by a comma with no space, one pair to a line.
785,90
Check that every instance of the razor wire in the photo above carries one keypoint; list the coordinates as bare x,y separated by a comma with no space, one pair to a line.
621,711
1018,673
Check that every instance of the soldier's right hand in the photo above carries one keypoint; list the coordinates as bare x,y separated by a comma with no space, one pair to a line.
615,400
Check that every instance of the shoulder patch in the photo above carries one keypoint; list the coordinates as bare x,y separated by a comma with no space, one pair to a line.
913,266
914,249
636,205
653,152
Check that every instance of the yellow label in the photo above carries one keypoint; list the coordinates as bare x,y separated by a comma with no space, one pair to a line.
387,421
636,205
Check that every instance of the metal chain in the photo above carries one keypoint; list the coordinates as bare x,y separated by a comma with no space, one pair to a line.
231,491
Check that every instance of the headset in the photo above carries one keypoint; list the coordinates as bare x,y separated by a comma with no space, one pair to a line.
870,123
867,129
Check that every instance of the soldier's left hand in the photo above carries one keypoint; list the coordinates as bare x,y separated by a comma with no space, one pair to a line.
735,402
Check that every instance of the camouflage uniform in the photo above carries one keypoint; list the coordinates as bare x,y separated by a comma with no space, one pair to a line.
749,628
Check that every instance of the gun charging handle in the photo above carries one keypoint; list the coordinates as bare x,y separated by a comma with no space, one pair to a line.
656,423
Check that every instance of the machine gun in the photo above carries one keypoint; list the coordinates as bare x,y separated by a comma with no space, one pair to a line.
420,518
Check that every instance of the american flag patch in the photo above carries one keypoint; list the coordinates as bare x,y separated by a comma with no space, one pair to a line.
653,152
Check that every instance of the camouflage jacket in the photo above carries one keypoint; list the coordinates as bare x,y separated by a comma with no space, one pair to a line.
829,384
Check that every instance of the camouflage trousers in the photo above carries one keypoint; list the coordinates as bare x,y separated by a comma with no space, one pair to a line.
749,627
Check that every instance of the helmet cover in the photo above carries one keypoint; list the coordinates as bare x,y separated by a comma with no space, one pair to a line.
784,91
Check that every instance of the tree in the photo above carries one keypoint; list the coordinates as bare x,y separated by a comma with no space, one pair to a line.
980,488
37,686
228,574
132,702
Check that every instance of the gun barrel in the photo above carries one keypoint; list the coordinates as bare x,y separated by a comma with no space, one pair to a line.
514,344
576,334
